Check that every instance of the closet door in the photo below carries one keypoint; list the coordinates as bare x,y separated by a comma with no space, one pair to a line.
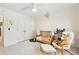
27,32
20,29
28,29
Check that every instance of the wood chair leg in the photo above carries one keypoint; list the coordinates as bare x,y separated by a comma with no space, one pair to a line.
62,50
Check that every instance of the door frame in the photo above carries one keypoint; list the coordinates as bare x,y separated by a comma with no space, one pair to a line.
2,32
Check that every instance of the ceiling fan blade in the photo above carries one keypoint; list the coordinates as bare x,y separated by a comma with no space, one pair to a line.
26,8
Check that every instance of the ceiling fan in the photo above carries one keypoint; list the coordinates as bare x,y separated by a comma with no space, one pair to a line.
32,6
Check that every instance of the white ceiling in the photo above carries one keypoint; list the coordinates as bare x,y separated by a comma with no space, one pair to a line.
42,7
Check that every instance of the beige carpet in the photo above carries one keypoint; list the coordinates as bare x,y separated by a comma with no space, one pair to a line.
26,48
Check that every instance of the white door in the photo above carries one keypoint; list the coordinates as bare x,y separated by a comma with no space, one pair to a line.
28,29
20,30
25,28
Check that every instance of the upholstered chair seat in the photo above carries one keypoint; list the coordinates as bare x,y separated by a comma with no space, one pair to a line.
44,37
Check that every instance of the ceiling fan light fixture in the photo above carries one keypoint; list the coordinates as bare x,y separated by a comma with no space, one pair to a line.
34,10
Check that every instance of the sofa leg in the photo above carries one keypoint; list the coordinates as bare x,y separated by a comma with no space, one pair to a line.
55,53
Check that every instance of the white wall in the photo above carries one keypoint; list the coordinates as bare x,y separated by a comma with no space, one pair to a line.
62,19
21,23
77,27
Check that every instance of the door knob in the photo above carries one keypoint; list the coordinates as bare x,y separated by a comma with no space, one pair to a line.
24,30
